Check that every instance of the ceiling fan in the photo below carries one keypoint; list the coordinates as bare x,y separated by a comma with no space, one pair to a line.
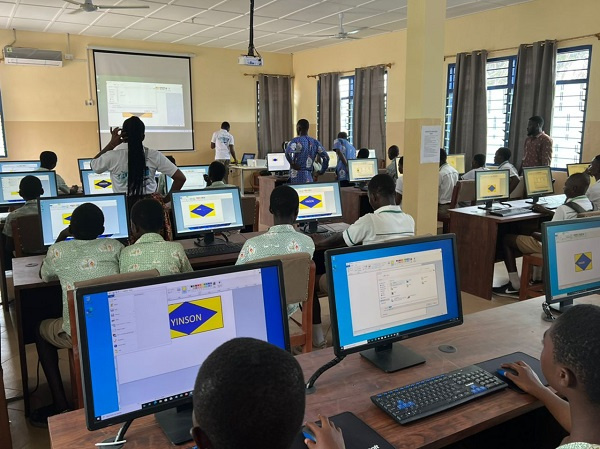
341,34
89,6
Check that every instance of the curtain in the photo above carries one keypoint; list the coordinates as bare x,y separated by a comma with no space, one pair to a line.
369,109
329,108
275,113
534,92
468,131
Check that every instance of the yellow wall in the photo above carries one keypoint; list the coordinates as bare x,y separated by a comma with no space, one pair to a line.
44,107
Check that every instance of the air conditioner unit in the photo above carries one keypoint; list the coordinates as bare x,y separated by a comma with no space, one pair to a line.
32,56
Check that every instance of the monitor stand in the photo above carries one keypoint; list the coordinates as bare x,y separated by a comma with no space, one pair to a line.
176,423
208,239
392,357
533,200
362,185
562,305
312,227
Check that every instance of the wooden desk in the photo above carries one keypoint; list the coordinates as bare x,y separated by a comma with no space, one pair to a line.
355,204
217,260
349,385
238,176
266,184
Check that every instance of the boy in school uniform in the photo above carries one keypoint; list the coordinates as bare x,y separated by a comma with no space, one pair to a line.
393,153
477,164
447,179
150,250
86,257
48,160
501,160
216,174
400,181
593,192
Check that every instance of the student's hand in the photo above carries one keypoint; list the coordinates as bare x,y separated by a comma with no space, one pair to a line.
526,379
74,190
116,138
328,436
541,209
64,234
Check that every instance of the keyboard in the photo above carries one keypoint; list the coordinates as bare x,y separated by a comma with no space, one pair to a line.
212,250
510,211
436,394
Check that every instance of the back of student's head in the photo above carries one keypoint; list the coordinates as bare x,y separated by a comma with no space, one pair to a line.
148,214
87,222
249,394
479,160
225,126
30,188
48,159
393,151
134,132
577,184
504,153
443,156
363,153
284,201
342,135
576,341
216,171
382,185
302,125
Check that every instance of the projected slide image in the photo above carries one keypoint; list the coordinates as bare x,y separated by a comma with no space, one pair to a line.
578,260
201,211
195,316
492,186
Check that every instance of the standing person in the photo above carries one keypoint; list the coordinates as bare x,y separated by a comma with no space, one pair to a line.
222,142
48,161
537,150
301,152
344,150
593,192
448,177
392,168
400,181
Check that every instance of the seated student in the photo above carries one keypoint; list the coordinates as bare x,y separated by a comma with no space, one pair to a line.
400,181
570,363
270,415
86,257
577,202
593,192
477,164
162,180
48,160
501,160
150,249
344,150
393,153
216,174
363,153
448,177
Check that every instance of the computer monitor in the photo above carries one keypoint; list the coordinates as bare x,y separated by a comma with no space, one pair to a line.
19,166
246,157
571,250
201,213
457,161
333,159
142,342
492,185
277,162
318,201
9,185
362,170
577,168
194,177
55,215
372,154
96,183
84,164
384,293
538,182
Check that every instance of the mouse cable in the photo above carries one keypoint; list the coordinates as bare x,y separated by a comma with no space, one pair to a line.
310,385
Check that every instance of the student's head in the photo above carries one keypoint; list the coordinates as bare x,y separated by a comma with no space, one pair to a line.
594,169
502,154
30,188
571,355
382,191
302,127
342,135
172,159
225,126
134,133
87,222
393,152
535,125
363,153
443,156
48,160
147,215
478,161
284,205
576,185
401,165
216,171
248,394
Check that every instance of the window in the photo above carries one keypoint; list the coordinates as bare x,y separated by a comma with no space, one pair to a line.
500,84
448,114
347,105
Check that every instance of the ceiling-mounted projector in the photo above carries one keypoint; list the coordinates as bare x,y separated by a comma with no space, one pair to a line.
250,60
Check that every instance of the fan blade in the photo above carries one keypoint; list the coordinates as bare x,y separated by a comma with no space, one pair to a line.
321,35
353,32
73,2
121,7
76,11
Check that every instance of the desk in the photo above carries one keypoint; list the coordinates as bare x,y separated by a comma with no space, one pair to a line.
348,386
266,184
217,260
355,204
238,177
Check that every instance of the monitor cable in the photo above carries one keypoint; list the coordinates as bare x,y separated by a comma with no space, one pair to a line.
547,315
119,440
310,385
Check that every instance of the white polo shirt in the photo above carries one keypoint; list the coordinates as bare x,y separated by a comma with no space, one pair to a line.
222,139
386,223
566,213
471,173
593,195
400,184
510,167
448,178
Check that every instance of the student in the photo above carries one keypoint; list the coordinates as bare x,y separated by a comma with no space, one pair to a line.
363,153
86,257
48,160
593,192
222,142
250,394
570,363
577,202
501,160
477,164
344,150
216,175
150,249
162,180
301,152
400,181
393,153
448,177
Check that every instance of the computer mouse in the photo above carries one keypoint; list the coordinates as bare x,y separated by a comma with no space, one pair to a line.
503,371
308,434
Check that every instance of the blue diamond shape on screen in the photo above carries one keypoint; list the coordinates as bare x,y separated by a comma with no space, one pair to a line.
188,317
310,201
492,188
67,218
583,262
104,184
202,210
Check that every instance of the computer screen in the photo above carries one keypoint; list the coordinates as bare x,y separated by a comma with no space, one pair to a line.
538,181
571,250
9,185
19,166
383,293
362,169
372,154
55,215
84,164
142,342
194,177
96,183
333,159
457,161
492,185
318,200
246,157
277,162
577,168
197,212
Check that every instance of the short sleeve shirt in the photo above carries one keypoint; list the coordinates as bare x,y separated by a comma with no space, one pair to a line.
537,150
222,139
579,446
386,223
150,252
400,185
567,213
593,195
471,173
448,177
510,167
29,208
61,185
302,150
392,169
349,152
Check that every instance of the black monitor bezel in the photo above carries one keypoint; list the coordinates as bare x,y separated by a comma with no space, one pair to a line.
312,184
526,184
28,173
480,173
91,423
338,351
351,162
578,163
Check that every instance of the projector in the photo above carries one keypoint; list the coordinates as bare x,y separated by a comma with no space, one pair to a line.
250,60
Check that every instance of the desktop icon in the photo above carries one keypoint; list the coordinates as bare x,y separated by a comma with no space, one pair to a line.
583,262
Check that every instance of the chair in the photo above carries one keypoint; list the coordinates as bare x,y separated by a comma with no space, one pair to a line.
527,290
466,193
445,219
74,357
249,216
519,191
590,214
299,282
255,185
27,236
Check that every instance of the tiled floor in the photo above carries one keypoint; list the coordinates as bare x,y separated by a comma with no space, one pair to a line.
25,436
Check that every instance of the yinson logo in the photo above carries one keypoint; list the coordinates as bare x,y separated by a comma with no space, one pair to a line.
193,317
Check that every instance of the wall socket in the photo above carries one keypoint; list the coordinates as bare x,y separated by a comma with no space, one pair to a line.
89,102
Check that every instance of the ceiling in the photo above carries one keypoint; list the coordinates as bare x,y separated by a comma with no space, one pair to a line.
285,26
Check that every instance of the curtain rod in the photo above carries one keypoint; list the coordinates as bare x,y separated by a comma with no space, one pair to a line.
254,75
596,35
388,65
